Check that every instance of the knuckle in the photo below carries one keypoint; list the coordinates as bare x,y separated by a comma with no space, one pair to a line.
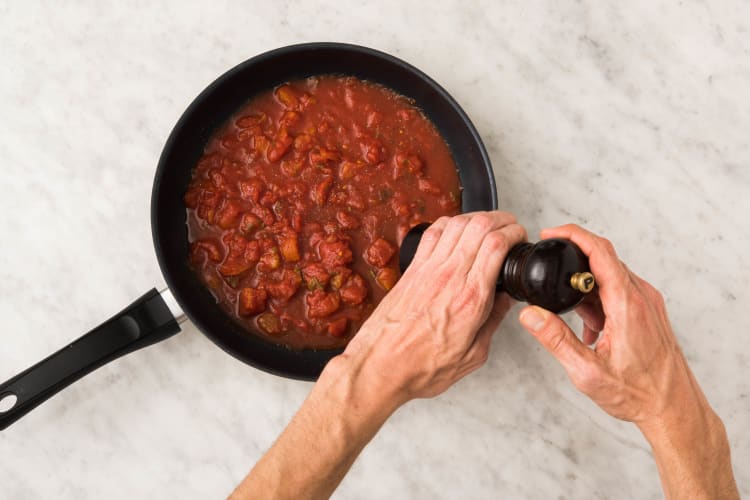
518,233
656,296
607,246
432,233
482,222
497,242
511,218
555,338
481,356
441,221
587,377
457,223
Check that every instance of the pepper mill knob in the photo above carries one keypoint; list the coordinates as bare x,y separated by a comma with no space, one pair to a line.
553,274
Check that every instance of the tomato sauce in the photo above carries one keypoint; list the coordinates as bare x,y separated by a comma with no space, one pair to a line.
296,209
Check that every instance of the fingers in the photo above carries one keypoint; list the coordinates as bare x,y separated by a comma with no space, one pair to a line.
467,231
590,311
492,252
478,350
611,275
429,240
589,336
555,336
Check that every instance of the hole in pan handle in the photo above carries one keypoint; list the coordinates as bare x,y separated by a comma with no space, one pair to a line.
553,273
148,320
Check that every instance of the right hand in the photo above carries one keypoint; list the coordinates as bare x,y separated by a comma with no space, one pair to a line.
435,326
636,372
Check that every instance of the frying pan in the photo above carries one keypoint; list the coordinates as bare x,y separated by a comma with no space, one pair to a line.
156,315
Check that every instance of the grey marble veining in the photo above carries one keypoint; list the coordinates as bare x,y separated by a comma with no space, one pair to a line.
631,118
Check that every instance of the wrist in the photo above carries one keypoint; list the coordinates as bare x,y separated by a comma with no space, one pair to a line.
357,393
683,426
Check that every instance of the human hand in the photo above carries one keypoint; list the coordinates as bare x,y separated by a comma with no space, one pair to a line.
435,325
637,371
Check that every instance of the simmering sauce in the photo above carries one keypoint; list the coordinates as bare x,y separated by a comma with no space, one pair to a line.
298,205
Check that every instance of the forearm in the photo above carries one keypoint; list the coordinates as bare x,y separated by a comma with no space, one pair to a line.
312,455
692,454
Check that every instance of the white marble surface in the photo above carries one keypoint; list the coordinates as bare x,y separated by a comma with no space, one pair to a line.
632,118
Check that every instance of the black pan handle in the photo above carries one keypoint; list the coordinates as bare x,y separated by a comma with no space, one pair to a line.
144,322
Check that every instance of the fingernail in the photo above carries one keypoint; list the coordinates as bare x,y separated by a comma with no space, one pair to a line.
533,319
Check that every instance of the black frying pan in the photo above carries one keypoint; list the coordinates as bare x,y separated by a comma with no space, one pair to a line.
154,316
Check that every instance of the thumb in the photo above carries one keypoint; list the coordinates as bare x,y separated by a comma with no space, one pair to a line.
555,335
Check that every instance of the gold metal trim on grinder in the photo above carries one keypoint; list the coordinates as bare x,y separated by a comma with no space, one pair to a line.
583,282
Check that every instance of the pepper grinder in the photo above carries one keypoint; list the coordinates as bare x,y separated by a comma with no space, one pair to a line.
553,273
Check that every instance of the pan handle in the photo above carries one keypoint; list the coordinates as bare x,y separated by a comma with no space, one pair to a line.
148,320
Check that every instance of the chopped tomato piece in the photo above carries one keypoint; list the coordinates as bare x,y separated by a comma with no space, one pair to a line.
261,143
337,327
263,214
290,118
387,277
319,156
248,121
297,222
270,260
191,197
250,190
208,201
250,223
354,290
320,193
251,301
229,214
287,96
354,199
380,252
234,266
289,247
347,220
235,244
340,275
334,252
372,151
268,198
316,276
400,208
291,168
303,143
252,251
349,169
306,100
211,248
269,323
407,163
321,304
428,186
286,287
281,144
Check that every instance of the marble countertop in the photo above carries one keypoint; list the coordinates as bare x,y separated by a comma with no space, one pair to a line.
631,118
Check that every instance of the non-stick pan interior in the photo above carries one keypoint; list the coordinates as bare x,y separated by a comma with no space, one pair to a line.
217,103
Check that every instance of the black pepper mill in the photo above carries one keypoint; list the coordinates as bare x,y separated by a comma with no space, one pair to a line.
553,274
